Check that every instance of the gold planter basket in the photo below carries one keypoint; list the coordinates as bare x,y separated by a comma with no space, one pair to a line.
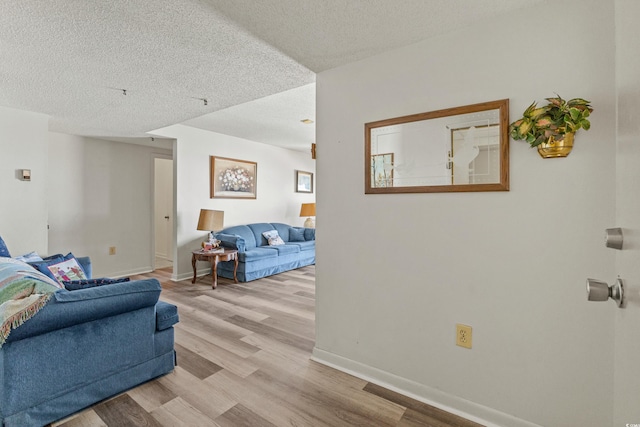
556,148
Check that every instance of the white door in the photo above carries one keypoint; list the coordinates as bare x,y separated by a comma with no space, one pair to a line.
163,210
627,320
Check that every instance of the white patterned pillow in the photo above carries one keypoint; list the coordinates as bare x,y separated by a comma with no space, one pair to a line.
67,270
273,238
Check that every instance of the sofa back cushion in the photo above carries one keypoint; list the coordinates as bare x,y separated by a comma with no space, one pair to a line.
258,229
283,230
296,234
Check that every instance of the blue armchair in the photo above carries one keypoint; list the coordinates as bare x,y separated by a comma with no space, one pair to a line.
82,347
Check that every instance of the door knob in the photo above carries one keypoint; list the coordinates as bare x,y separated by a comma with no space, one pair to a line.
598,290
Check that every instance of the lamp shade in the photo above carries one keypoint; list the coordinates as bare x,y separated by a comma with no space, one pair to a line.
211,220
308,209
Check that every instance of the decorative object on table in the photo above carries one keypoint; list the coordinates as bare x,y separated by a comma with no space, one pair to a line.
551,128
211,221
308,210
233,178
304,182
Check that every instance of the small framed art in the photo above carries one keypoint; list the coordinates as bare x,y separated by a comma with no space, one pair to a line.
304,182
233,178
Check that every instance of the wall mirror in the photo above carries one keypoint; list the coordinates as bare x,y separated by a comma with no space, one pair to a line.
452,150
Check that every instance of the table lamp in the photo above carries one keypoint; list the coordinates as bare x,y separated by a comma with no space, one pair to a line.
211,221
308,210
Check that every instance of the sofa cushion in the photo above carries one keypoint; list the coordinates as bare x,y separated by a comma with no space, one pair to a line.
273,238
4,251
74,285
296,234
305,246
289,248
166,315
283,230
258,254
258,229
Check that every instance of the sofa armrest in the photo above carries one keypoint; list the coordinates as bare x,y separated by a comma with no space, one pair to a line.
232,241
166,315
67,308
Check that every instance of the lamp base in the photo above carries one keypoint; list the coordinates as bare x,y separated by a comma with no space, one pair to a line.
309,223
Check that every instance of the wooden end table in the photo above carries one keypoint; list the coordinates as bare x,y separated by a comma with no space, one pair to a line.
214,258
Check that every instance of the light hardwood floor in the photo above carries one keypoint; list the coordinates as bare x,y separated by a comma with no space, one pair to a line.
244,360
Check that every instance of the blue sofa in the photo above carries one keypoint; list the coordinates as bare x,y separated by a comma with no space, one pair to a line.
82,347
257,259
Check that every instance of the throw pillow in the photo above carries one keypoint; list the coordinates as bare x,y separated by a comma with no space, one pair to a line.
4,251
273,238
67,270
74,285
43,266
309,234
296,234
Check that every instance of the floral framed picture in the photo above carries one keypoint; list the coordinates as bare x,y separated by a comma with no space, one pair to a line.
233,178
304,182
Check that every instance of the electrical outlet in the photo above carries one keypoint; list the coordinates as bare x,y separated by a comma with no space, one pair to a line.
112,250
463,335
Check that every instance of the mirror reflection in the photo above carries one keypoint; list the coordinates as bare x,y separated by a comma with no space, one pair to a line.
459,149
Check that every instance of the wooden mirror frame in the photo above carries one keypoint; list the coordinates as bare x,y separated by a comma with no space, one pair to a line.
503,184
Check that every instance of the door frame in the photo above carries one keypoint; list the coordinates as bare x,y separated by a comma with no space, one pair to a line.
172,249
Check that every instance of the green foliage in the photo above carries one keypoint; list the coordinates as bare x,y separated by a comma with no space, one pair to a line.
556,119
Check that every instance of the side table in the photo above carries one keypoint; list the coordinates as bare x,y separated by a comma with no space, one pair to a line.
214,257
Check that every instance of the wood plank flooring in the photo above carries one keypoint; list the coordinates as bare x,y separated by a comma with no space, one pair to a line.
244,360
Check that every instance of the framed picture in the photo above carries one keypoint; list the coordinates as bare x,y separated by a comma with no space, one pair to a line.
233,178
304,182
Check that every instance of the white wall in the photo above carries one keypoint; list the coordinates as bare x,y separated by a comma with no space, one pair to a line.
276,200
100,194
23,209
395,273
627,321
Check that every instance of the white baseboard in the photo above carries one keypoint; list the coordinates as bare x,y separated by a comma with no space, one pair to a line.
128,273
455,405
189,275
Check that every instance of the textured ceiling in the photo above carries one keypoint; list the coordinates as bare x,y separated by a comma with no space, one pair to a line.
73,59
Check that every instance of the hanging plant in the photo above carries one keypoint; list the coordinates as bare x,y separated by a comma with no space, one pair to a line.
551,122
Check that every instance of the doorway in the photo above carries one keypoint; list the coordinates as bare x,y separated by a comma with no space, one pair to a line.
163,212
